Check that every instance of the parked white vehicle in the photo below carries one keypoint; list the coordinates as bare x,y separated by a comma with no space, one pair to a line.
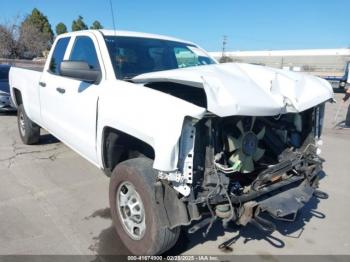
179,134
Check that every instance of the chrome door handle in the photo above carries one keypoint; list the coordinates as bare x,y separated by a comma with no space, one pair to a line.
60,90
43,84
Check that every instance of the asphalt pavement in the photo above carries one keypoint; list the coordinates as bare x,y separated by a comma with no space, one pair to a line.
52,201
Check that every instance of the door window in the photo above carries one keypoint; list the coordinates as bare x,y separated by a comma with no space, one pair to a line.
191,56
58,55
84,50
185,57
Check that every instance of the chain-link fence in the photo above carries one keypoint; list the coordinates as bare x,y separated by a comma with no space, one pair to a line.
30,64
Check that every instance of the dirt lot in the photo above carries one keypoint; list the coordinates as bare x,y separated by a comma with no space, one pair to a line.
52,201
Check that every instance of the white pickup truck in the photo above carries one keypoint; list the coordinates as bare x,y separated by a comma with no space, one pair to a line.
183,138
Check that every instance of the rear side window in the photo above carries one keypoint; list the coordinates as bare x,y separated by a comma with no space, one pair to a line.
84,50
58,55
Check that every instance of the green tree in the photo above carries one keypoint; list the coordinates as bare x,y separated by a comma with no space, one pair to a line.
96,25
41,22
79,24
61,28
35,35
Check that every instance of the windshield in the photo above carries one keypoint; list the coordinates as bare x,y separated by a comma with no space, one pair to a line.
132,56
4,73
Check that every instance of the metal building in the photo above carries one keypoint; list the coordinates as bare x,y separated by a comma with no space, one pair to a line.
316,61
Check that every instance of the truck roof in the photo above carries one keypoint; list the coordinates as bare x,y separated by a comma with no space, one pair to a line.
132,34
140,34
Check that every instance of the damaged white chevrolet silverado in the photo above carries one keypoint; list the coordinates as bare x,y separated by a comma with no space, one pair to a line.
184,139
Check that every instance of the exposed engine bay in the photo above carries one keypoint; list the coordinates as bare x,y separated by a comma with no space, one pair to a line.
251,144
236,167
254,149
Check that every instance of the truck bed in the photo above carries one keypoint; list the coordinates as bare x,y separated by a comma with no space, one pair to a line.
27,81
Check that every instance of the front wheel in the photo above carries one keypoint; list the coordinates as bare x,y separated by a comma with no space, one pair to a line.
134,211
28,130
342,84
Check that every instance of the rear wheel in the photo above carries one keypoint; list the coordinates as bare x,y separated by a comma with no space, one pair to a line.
134,211
28,130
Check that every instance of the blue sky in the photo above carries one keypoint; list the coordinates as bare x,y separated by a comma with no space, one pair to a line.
249,24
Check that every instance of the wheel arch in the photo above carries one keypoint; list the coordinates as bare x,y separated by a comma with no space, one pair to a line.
118,146
17,96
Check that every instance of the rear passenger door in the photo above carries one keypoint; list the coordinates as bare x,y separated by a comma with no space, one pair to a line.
74,102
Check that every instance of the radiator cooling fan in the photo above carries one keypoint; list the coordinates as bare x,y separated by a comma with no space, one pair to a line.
244,150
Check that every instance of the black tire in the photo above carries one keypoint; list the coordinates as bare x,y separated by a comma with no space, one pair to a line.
28,130
140,174
342,85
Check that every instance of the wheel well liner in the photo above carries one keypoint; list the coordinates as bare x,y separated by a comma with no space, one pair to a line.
118,146
18,96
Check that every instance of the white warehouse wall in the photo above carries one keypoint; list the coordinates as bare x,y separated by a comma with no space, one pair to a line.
316,61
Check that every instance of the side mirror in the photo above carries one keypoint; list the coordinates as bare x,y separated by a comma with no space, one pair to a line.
79,70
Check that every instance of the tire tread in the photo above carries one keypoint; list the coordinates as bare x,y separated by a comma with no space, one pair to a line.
32,132
166,238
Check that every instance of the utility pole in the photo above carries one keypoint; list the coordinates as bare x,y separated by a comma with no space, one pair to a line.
224,43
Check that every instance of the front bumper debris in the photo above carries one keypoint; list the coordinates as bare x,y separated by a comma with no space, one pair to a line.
285,205
281,205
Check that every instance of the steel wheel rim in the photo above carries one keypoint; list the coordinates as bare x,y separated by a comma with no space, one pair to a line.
131,211
22,124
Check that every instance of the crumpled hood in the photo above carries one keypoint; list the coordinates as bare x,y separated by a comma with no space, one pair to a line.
245,89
